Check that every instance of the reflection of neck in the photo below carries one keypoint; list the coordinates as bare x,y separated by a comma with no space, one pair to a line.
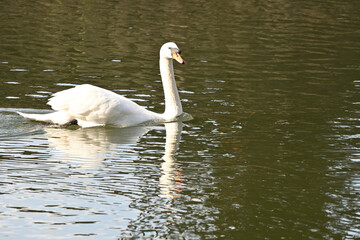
167,182
173,106
173,134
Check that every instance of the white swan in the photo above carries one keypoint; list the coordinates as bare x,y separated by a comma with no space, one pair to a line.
93,106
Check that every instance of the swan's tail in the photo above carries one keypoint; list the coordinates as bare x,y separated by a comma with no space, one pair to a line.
55,117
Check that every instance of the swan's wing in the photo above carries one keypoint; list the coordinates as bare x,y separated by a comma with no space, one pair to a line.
93,104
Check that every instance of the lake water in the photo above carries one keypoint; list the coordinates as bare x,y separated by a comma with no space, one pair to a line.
272,152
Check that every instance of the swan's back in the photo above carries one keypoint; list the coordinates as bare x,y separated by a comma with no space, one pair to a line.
89,105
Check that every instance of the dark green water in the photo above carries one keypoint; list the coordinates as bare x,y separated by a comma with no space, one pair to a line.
273,150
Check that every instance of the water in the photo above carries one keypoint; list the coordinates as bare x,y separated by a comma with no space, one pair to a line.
272,152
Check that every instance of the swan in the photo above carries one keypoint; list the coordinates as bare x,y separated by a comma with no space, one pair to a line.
91,106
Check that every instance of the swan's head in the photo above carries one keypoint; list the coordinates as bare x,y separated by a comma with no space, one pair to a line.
171,51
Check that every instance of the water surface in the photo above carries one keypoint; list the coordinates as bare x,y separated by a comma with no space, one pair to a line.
272,152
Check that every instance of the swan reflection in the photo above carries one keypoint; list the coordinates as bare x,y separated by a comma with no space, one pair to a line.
86,148
171,179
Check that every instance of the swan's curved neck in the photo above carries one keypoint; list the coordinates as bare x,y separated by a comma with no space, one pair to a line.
173,106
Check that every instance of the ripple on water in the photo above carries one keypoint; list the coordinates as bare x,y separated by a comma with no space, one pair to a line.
19,70
13,83
78,181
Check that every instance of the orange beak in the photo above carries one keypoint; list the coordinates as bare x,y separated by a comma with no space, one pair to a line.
178,57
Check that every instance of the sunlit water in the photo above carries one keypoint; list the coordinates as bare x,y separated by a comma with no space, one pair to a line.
272,151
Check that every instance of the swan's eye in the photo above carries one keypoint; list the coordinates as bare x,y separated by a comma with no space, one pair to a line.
174,50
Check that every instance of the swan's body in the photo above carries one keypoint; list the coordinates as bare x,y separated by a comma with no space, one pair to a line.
94,106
